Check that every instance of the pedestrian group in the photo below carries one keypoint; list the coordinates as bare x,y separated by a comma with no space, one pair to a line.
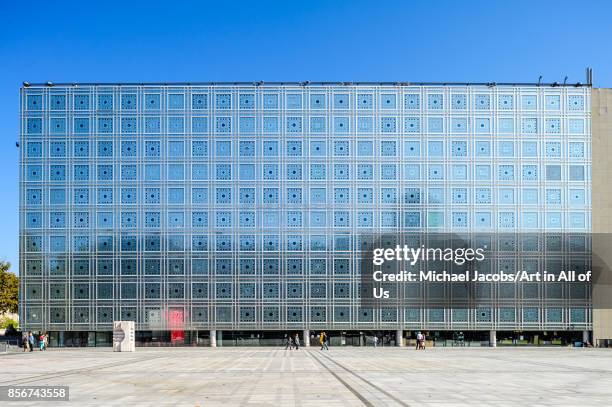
292,342
29,341
420,342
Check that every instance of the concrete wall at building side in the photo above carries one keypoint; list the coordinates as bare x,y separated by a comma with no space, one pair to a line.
601,119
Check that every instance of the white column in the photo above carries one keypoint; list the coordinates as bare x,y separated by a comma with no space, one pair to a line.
213,338
306,341
585,336
399,338
493,338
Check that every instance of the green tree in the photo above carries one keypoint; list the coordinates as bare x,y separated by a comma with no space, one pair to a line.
9,289
6,322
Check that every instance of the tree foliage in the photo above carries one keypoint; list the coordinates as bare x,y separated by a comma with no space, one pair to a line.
6,322
9,289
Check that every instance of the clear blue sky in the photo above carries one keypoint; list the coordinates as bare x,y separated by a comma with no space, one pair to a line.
479,41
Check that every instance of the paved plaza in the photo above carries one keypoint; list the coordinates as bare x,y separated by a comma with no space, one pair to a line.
338,377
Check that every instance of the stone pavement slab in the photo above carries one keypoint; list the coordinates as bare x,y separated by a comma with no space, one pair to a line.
309,377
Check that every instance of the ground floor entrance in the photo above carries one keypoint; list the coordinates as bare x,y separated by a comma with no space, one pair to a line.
380,338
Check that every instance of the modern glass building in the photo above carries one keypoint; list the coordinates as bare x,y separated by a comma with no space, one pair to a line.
196,209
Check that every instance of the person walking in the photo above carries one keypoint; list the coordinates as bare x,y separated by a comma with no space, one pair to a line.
24,341
296,342
325,340
418,340
30,341
423,341
41,342
288,343
375,341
